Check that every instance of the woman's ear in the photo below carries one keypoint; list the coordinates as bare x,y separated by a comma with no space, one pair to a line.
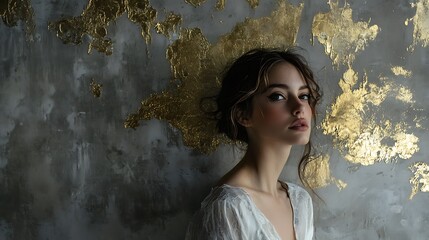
243,119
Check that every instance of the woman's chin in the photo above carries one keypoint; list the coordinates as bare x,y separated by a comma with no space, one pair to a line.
297,140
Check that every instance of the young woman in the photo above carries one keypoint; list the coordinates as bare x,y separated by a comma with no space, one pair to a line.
267,100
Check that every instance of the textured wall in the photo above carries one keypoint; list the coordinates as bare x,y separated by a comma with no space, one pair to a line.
77,76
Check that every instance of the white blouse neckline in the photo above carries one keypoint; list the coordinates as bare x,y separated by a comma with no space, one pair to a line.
261,214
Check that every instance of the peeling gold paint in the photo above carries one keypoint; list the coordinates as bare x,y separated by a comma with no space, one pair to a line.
401,71
341,37
95,88
359,127
97,16
421,24
169,25
12,11
318,174
420,180
198,65
195,3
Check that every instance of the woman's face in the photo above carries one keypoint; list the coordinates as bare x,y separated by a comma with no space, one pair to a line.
281,110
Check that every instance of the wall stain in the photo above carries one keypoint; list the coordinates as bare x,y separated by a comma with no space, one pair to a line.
341,37
359,127
29,193
138,201
132,185
97,16
198,65
12,11
96,206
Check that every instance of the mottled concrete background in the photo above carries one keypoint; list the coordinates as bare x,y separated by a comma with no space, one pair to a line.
70,170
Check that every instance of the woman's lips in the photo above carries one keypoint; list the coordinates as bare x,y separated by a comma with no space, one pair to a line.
299,125
299,128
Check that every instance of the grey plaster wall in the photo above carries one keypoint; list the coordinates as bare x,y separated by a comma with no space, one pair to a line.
70,170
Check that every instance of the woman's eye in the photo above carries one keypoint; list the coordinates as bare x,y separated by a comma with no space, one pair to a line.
305,96
276,97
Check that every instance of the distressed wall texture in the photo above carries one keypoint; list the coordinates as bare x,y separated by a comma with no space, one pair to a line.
101,135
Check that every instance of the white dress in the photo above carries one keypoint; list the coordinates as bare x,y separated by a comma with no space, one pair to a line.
229,213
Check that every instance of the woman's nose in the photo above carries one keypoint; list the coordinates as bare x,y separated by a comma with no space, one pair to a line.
297,106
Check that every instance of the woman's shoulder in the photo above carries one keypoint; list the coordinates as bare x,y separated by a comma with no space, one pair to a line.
293,186
224,214
296,191
224,204
225,194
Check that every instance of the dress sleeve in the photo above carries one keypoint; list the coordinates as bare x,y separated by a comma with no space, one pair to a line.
310,220
218,220
306,215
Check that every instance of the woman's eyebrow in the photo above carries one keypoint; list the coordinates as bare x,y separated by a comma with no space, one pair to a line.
281,85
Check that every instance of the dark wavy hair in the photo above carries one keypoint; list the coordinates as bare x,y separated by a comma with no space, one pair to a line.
242,80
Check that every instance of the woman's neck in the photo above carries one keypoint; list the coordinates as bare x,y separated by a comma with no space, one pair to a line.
260,167
264,163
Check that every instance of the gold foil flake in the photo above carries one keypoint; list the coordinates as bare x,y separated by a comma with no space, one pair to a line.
340,184
401,71
317,172
253,3
180,106
132,121
318,175
341,37
420,180
421,24
140,12
195,3
358,134
278,30
199,64
220,4
97,16
420,121
96,88
169,25
12,11
405,95
404,141
101,45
